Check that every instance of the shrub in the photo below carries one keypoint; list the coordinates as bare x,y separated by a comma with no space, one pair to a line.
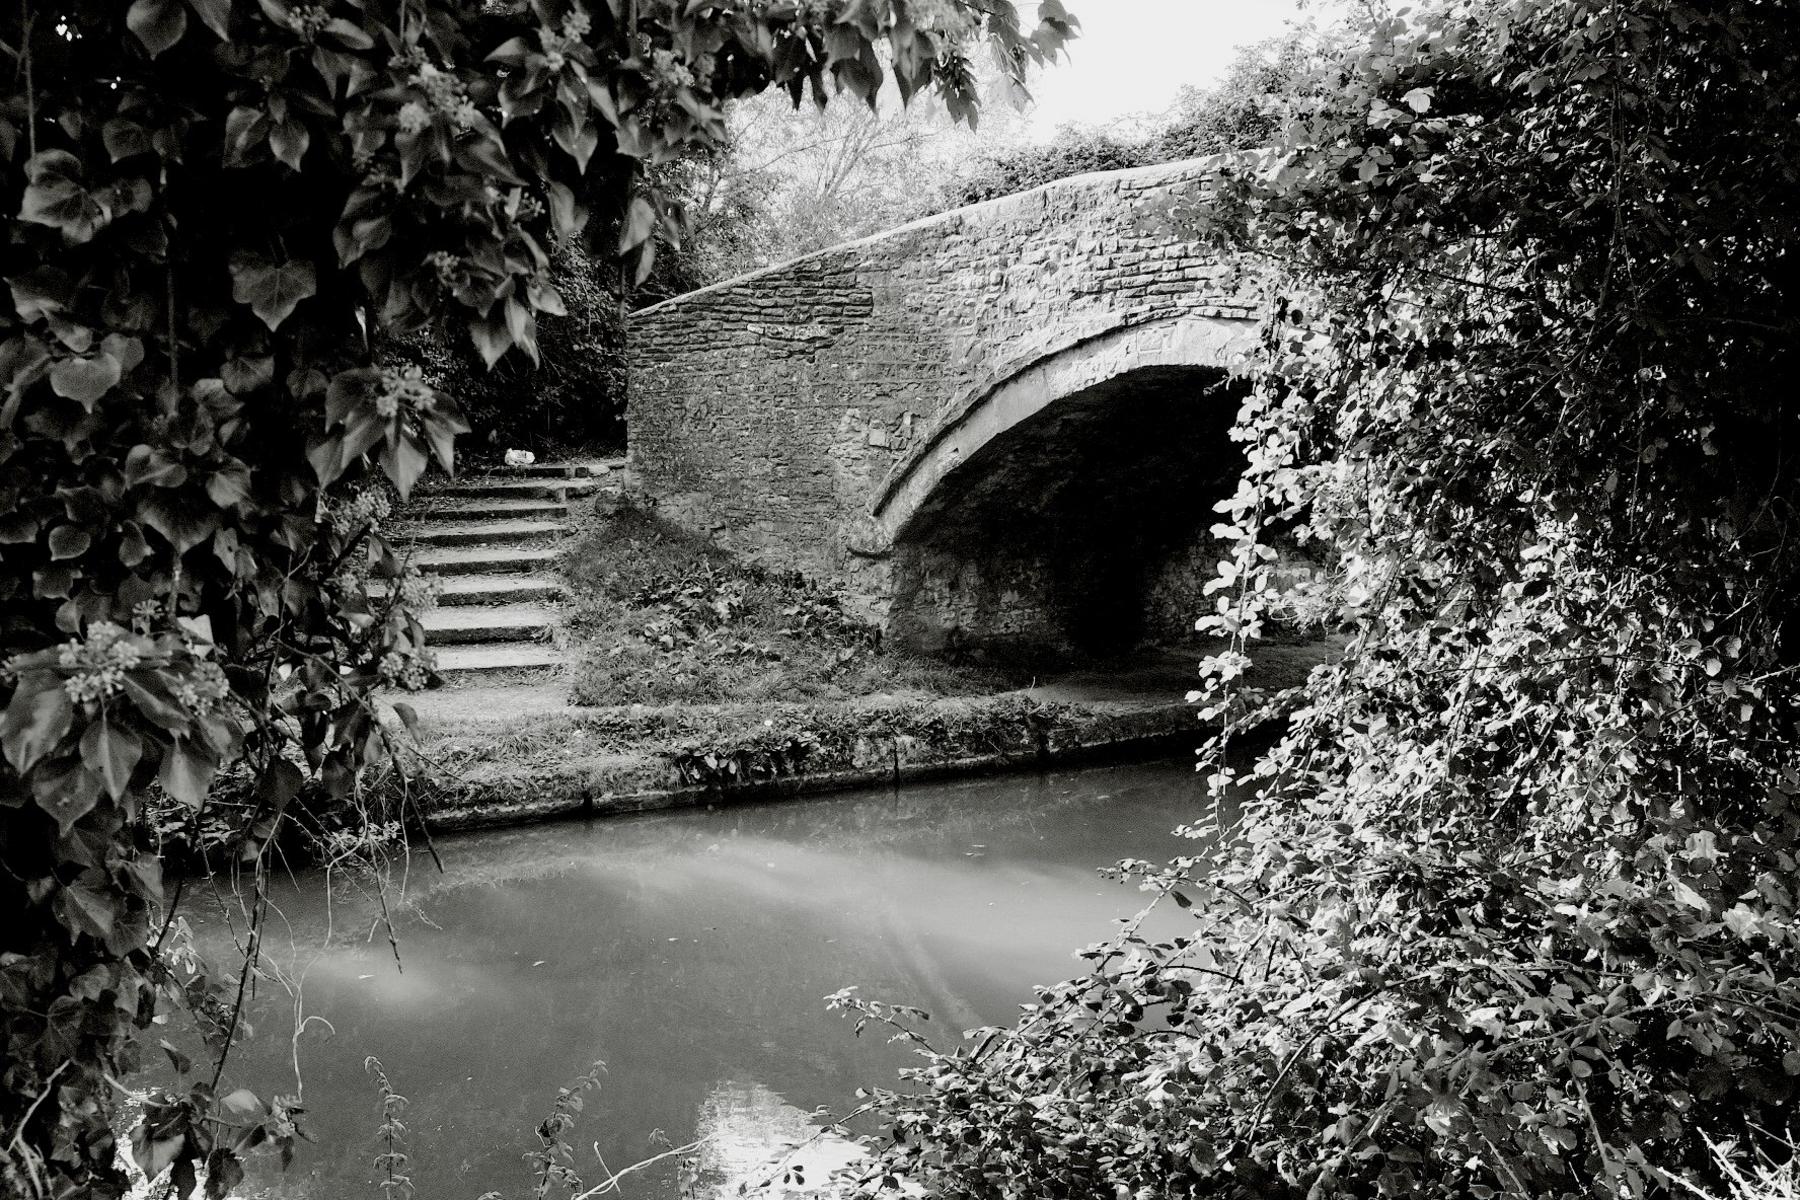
573,397
218,212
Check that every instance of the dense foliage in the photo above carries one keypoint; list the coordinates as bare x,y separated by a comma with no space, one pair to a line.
224,211
572,397
1511,906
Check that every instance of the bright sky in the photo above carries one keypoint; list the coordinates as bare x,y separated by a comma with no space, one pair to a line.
1134,55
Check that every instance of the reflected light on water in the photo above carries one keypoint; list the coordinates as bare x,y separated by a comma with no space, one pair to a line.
753,1140
690,951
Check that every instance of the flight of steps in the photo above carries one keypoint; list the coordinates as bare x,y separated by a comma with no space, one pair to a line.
492,539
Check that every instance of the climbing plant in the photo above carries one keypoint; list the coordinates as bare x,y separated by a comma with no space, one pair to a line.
1511,906
221,211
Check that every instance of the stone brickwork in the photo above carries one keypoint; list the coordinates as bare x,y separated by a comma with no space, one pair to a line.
882,414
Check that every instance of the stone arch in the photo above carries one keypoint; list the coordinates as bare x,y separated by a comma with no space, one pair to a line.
837,414
1062,506
1018,393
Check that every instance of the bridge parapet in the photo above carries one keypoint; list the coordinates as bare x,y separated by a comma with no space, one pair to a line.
793,413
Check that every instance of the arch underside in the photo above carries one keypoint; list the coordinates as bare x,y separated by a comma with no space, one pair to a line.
1078,527
989,410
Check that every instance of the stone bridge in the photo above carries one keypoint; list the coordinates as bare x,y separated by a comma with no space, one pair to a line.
1000,425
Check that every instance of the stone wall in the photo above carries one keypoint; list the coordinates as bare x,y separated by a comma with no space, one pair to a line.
776,411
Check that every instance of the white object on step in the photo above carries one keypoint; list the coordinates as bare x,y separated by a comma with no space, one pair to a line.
520,458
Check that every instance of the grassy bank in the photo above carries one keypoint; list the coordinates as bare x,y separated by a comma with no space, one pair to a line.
610,760
660,616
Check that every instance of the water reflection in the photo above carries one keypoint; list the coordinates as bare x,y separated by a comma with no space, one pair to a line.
753,1141
688,951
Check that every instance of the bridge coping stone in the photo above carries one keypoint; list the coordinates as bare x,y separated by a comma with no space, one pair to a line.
1129,179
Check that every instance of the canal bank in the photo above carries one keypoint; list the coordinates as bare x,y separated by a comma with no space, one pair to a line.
487,759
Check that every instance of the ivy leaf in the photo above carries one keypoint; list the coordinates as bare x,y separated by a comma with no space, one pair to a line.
279,785
229,485
111,753
244,131
578,140
155,702
85,380
289,141
69,541
349,36
242,1103
545,298
327,458
511,52
182,1064
638,224
216,14
442,424
54,197
40,294
53,581
247,373
224,1170
362,432
566,216
186,772
602,99
158,24
492,339
18,527
128,352
646,262
36,721
404,461
521,323
182,1179
153,1155
150,466
272,292
485,156
133,549
184,522
1689,896
87,905
68,794
411,145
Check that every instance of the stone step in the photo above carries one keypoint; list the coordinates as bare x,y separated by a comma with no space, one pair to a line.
457,508
561,470
488,533
465,624
461,590
486,560
473,662
479,703
487,487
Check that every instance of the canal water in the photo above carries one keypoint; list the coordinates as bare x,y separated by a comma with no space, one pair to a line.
690,952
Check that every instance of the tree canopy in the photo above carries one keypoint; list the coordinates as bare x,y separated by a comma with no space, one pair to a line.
222,209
